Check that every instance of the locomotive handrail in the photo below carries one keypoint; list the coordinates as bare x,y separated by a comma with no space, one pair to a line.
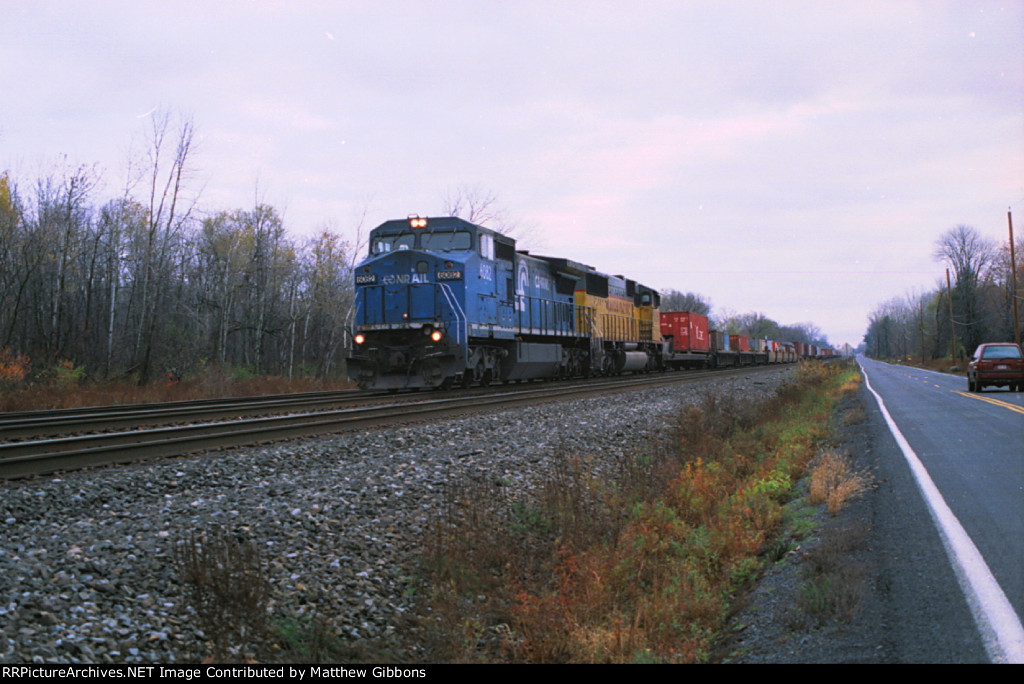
586,321
622,328
453,304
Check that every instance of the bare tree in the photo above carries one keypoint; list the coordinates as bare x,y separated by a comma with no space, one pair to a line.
969,255
169,213
479,205
63,213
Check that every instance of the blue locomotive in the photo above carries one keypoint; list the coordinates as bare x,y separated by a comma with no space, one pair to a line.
442,302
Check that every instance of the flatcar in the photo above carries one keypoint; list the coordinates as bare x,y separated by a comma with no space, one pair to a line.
442,302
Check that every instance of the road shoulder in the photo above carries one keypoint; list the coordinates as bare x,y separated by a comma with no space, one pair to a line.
869,585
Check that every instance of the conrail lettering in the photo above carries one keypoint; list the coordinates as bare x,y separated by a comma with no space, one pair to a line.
404,279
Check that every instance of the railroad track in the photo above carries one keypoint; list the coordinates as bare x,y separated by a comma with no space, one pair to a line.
18,425
44,456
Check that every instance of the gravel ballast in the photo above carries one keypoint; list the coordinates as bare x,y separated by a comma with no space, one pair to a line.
86,559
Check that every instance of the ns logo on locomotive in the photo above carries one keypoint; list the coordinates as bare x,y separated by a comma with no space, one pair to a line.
442,302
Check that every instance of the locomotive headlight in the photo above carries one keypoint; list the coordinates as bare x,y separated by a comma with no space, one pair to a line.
359,339
436,336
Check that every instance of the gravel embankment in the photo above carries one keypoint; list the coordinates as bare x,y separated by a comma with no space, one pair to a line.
86,564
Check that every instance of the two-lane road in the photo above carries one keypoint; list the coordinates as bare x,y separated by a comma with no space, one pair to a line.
962,454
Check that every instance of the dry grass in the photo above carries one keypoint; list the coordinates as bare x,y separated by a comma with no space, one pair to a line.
228,590
834,578
941,365
854,416
851,385
635,568
834,481
59,393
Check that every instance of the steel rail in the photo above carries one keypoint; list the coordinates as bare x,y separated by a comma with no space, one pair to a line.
38,457
37,424
64,421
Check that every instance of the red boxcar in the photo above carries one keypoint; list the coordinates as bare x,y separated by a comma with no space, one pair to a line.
689,331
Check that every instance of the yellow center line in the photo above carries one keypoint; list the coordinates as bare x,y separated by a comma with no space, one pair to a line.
997,402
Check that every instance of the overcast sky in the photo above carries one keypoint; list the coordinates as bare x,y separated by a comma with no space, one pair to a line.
796,158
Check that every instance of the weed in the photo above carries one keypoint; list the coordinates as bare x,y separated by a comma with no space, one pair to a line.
529,520
227,589
799,520
66,374
745,572
833,584
639,567
854,416
308,640
14,368
834,481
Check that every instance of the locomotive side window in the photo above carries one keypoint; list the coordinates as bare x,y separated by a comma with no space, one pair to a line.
505,251
597,285
487,246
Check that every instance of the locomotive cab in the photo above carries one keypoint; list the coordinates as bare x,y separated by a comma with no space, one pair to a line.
410,304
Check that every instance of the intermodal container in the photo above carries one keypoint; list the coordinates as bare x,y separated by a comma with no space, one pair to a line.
689,331
739,343
719,340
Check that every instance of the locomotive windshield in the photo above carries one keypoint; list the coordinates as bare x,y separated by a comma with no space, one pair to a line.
440,241
455,241
382,244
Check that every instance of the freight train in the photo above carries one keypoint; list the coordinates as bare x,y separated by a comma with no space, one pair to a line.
442,302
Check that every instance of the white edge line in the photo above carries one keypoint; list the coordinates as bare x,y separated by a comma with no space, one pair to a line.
1000,628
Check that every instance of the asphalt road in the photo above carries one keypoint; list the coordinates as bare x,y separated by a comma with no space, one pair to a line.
949,520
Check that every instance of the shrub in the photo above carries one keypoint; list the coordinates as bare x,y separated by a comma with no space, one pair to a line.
14,368
227,589
636,568
834,481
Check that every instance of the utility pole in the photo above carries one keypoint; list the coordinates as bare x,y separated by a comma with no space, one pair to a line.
1013,281
952,328
920,325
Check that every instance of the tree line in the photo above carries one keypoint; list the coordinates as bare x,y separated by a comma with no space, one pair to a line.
753,324
142,285
952,319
